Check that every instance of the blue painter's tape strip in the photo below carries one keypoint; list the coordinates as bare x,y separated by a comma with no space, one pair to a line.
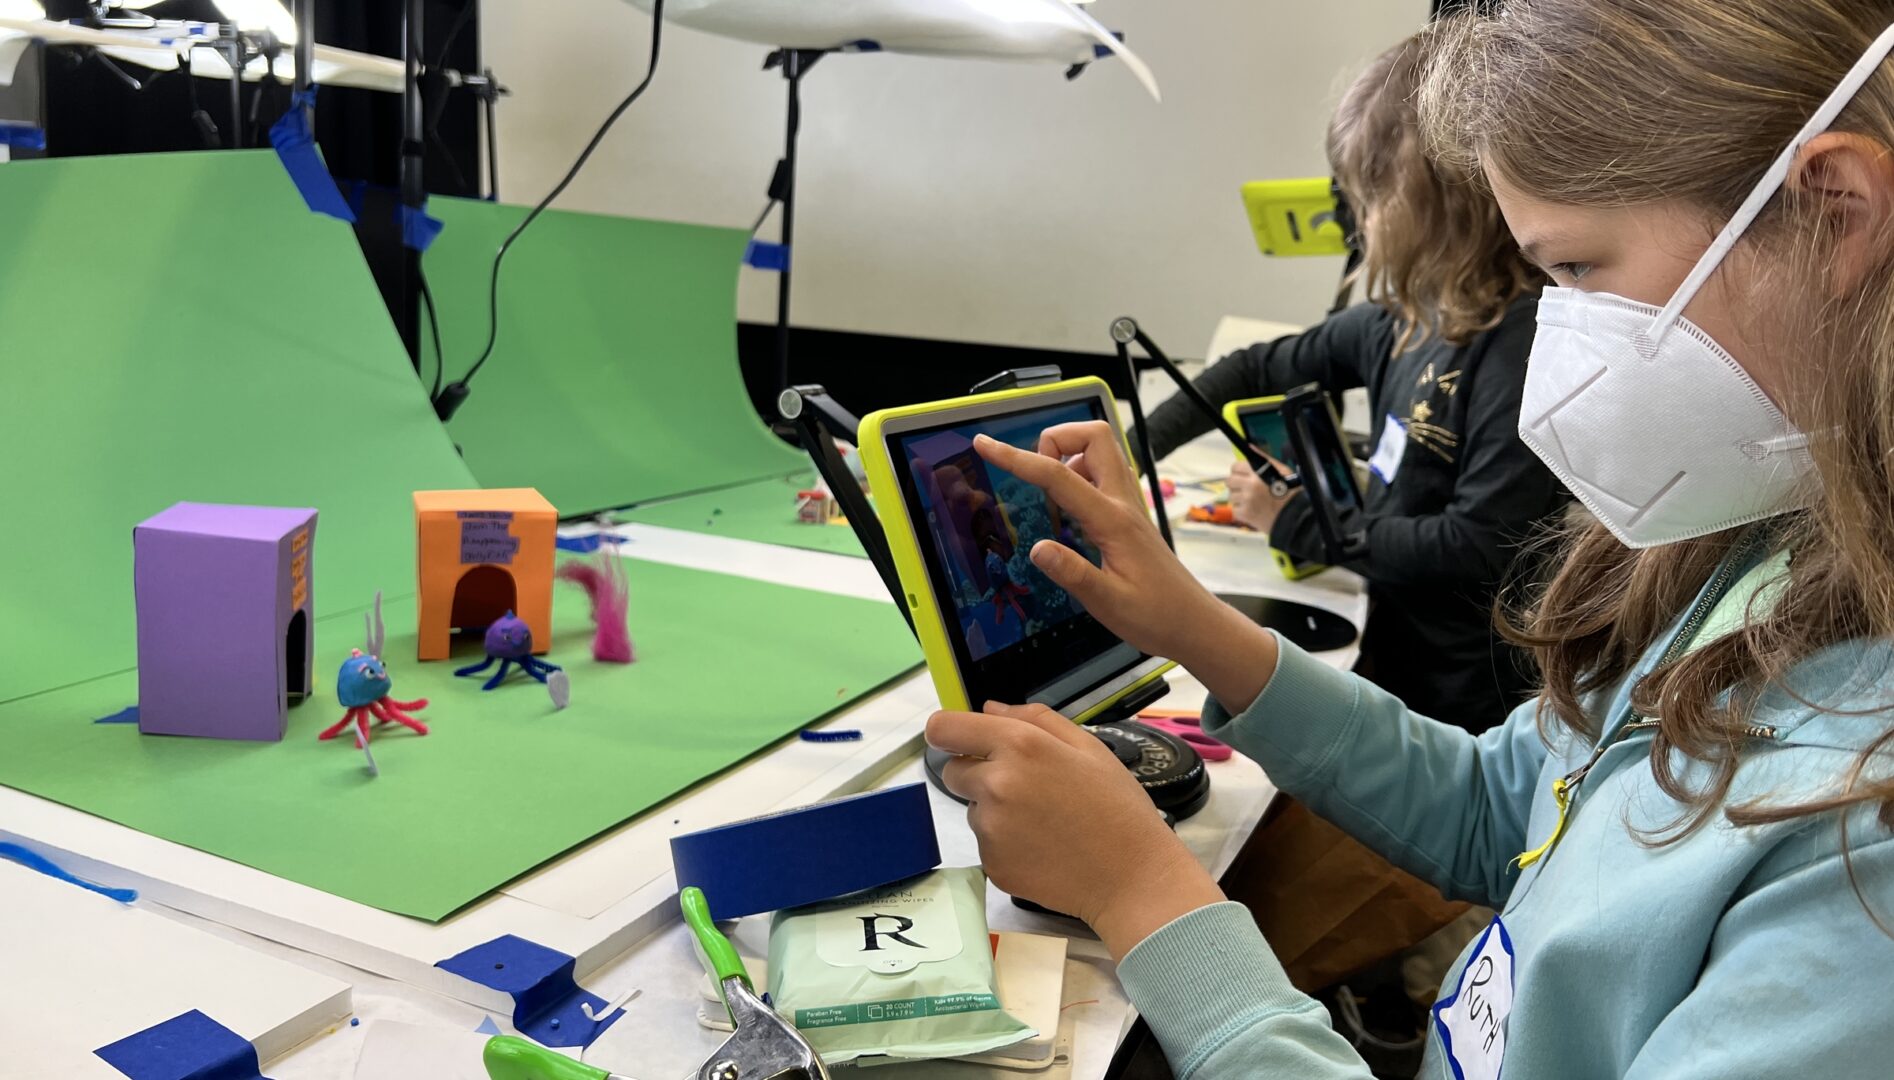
844,735
126,715
767,256
548,1005
33,860
357,193
296,147
187,1047
586,545
22,136
815,853
417,229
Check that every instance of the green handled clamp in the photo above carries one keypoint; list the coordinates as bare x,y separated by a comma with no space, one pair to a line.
508,1058
764,1046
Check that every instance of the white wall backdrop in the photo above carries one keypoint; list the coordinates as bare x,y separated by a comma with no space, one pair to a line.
960,199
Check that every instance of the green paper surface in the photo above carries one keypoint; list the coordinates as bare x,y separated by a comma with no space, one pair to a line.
503,782
181,327
764,511
614,379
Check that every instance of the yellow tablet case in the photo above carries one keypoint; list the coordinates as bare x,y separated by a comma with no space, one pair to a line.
1294,217
930,622
1234,413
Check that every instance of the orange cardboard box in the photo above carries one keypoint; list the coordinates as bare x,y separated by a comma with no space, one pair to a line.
480,554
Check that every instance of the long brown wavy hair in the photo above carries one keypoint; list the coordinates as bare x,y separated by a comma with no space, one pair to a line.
1436,251
1615,102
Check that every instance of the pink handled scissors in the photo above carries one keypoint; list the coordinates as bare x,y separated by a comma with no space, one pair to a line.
1188,727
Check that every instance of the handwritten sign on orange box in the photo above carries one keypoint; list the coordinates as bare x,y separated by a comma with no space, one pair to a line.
480,554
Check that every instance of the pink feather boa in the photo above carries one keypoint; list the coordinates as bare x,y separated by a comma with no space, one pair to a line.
603,579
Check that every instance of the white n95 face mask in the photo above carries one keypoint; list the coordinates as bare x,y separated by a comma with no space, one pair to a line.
1649,422
1660,447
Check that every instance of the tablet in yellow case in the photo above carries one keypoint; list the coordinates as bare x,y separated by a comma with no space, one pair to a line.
1294,217
1262,422
993,628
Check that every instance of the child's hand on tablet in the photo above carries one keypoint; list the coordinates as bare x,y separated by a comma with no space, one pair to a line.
1139,590
1083,470
1063,824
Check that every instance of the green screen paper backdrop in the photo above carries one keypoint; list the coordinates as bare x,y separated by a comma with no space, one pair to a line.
181,327
615,377
763,511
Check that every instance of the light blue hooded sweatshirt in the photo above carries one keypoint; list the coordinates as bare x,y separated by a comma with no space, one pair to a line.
1732,953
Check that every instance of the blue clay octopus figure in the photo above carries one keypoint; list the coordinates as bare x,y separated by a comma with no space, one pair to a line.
510,641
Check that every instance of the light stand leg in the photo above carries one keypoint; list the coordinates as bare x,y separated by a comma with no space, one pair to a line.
413,184
793,68
489,101
305,45
233,55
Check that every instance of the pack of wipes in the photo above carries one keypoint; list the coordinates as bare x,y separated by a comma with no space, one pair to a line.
903,971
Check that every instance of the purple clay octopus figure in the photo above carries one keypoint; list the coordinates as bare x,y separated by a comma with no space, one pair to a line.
510,641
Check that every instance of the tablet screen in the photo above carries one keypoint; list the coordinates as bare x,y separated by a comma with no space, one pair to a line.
1267,430
1334,472
1018,637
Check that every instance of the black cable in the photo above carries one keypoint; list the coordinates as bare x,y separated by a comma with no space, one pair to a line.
453,33
435,91
434,329
456,392
761,218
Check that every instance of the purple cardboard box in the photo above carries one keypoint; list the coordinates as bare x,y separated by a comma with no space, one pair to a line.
225,623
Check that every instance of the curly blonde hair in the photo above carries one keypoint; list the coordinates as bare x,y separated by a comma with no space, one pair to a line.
1435,250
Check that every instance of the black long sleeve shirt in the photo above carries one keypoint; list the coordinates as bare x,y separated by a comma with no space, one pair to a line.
1441,536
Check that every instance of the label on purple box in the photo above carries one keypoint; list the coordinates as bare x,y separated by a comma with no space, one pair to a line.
486,537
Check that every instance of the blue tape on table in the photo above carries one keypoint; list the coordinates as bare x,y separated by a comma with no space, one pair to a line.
816,853
187,1047
33,860
126,715
586,545
548,1006
764,255
296,148
830,736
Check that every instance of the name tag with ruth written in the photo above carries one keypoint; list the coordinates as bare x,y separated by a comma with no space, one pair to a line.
1471,1021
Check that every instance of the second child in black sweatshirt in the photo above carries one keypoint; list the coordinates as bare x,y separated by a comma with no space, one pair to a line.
1443,533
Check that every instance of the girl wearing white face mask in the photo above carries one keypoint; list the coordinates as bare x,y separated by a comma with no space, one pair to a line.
1688,837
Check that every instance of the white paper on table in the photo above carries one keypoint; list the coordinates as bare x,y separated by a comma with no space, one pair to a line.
79,971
